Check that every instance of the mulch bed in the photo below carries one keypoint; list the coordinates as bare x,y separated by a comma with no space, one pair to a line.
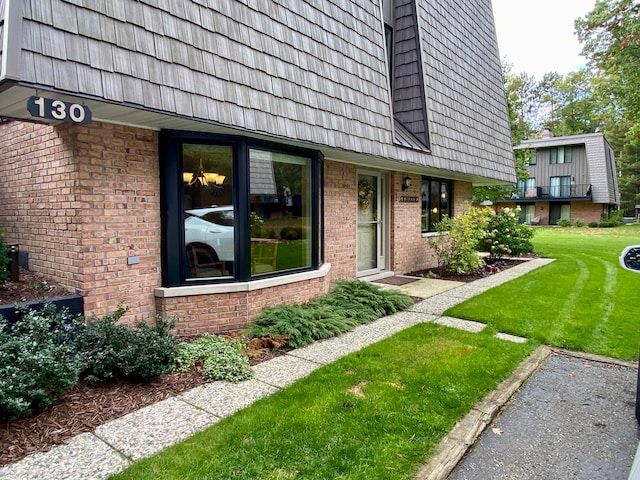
442,274
86,406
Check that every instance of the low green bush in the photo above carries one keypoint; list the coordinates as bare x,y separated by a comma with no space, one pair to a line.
111,351
564,222
292,233
38,359
348,305
593,224
579,222
215,358
607,224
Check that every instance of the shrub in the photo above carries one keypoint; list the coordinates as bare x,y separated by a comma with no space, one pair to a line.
365,301
292,233
38,359
504,236
140,353
215,358
348,305
303,323
593,224
579,222
4,260
564,222
457,240
613,219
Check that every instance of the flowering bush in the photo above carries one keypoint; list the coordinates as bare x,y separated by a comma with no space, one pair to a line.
457,239
504,236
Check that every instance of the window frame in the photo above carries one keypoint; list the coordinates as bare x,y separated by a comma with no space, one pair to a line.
564,151
425,211
172,206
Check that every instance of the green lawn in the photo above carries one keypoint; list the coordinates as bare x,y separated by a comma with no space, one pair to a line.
583,301
374,414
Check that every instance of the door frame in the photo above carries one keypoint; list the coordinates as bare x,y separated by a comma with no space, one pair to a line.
383,227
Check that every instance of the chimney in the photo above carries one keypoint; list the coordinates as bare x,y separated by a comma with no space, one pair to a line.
546,132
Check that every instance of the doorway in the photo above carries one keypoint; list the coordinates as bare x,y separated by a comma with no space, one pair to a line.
371,227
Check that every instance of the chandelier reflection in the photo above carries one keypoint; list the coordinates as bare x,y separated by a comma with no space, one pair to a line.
206,179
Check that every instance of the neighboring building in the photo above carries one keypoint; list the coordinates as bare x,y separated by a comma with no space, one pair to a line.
569,177
207,159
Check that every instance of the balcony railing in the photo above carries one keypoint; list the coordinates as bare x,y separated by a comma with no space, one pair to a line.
552,192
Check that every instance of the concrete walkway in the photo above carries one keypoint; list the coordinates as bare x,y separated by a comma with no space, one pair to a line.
113,446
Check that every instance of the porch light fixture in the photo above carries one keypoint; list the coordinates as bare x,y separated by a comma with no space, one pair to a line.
204,178
406,183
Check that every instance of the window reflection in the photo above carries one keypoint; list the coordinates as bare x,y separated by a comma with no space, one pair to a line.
208,210
280,202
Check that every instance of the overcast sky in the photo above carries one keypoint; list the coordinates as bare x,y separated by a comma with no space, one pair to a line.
538,36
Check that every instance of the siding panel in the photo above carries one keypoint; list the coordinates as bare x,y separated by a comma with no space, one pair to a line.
315,70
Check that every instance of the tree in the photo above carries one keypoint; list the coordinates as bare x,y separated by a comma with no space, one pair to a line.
611,37
610,34
523,108
572,107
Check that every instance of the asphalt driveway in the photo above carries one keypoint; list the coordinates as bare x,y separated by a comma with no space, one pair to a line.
573,419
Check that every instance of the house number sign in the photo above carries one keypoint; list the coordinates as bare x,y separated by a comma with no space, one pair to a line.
58,110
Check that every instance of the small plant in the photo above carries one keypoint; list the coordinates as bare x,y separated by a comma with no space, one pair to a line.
4,260
593,224
140,353
215,358
256,224
38,360
292,233
564,222
579,222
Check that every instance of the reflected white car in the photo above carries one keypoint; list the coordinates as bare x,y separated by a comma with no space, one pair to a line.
211,226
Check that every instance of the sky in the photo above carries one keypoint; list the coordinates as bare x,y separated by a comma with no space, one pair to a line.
538,36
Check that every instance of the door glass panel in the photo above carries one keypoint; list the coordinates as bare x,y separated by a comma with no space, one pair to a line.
368,222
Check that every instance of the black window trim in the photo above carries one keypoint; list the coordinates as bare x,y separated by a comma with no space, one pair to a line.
171,198
449,212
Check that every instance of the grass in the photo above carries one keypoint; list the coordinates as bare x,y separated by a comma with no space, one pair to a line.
582,301
373,414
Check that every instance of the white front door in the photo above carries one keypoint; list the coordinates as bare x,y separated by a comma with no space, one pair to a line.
370,243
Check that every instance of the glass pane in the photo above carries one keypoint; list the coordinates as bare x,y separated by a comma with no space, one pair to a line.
208,210
554,189
444,199
367,242
434,213
280,199
425,206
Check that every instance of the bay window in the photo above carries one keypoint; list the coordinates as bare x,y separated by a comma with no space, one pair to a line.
235,209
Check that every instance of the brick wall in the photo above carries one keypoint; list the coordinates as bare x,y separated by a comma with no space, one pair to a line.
80,200
340,208
83,199
587,211
227,312
410,249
